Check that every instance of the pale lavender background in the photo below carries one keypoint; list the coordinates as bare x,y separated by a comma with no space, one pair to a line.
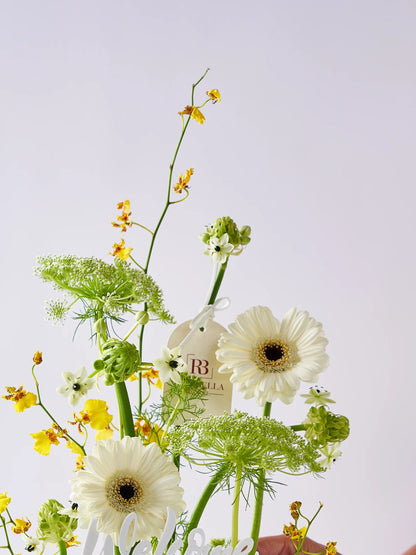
312,145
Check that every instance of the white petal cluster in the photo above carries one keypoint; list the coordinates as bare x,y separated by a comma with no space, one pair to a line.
170,364
268,359
219,248
76,385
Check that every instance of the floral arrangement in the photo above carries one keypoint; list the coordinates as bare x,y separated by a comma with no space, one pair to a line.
126,481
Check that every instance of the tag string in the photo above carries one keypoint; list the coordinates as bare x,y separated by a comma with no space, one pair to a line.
205,315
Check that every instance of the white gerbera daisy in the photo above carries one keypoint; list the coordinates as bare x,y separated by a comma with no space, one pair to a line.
219,249
123,477
76,385
268,359
170,364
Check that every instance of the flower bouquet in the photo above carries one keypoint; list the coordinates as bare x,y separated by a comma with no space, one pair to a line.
126,481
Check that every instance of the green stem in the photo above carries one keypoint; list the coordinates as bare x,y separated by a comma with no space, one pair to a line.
236,505
159,223
62,547
126,418
202,503
258,495
298,428
218,282
8,546
171,419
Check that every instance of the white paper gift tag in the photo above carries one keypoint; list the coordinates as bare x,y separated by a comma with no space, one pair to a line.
199,354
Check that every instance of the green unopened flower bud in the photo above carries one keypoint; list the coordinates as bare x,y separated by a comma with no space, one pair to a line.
100,327
323,427
205,237
226,225
142,317
245,233
98,365
121,360
52,526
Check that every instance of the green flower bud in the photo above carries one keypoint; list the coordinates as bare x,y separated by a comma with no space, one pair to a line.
205,237
323,427
52,526
121,360
226,225
142,317
98,365
100,327
245,233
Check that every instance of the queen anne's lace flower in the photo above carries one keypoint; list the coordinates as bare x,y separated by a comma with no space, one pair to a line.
268,359
123,477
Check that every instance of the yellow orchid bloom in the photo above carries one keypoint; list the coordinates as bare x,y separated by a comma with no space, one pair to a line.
4,501
194,112
21,526
74,448
97,411
214,95
107,433
183,182
22,399
125,216
152,375
331,548
44,439
121,251
73,541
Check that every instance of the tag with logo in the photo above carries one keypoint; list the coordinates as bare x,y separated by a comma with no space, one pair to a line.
199,354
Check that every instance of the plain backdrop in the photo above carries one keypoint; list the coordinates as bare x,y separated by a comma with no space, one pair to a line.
312,145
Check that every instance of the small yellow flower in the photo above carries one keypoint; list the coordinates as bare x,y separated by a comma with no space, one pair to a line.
97,412
4,501
37,357
44,439
214,95
121,251
294,533
73,541
125,216
331,548
152,375
150,433
22,399
22,526
194,112
184,179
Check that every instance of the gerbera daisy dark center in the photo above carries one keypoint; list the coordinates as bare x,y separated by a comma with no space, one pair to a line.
123,493
272,355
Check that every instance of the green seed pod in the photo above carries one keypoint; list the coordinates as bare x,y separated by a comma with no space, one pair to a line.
205,237
52,526
226,225
100,327
121,360
98,365
245,233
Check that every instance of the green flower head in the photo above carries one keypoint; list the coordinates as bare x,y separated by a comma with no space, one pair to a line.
120,360
323,427
53,526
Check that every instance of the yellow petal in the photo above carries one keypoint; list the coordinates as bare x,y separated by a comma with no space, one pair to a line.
97,411
197,115
74,448
25,402
4,501
42,442
104,434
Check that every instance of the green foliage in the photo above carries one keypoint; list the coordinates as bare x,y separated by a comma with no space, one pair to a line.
105,290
